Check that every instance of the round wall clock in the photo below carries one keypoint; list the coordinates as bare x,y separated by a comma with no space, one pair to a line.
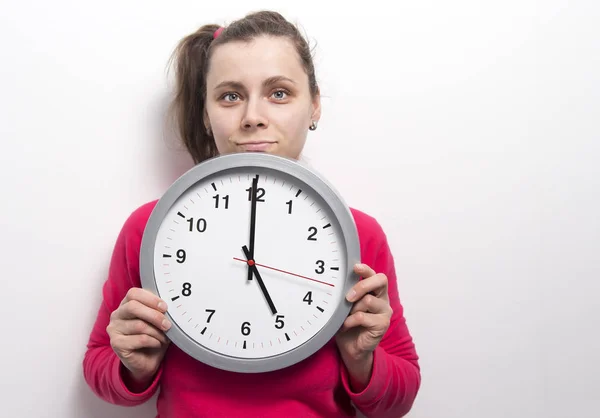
254,255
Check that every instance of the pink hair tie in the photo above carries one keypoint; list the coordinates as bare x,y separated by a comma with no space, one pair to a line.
217,32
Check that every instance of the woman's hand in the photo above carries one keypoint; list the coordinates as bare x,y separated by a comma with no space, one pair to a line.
136,331
366,324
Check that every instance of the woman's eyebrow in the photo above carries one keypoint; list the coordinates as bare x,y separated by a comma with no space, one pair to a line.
236,85
276,79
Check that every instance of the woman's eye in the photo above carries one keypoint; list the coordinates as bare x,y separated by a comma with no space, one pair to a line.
231,97
280,94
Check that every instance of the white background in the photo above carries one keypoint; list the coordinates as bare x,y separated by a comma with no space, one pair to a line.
469,129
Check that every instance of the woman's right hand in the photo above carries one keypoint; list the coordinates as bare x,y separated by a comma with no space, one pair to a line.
136,331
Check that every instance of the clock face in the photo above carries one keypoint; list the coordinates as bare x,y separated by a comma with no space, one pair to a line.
203,252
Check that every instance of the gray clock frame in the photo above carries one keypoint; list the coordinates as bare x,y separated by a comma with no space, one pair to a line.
259,162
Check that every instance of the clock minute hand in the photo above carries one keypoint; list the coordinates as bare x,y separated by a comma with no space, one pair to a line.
252,267
252,222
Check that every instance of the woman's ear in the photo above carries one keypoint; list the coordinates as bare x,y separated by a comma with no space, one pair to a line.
316,105
206,121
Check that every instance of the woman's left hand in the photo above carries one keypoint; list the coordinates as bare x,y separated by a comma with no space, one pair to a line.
367,322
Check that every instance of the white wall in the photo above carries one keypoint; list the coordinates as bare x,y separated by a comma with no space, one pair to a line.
470,129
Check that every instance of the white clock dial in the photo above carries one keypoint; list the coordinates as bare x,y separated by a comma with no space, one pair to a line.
251,296
201,269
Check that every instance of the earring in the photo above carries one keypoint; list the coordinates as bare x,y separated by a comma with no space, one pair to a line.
313,126
208,131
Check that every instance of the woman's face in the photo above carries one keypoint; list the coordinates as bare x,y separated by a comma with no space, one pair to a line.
258,98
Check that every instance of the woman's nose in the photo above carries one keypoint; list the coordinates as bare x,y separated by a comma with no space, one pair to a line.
254,115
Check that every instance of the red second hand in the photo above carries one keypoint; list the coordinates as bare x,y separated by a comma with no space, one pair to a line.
251,262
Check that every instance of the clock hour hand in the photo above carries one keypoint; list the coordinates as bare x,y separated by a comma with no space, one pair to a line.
252,222
252,267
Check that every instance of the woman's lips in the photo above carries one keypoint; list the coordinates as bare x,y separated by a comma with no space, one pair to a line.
256,146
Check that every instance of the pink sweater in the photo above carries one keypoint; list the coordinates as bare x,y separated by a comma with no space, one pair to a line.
317,387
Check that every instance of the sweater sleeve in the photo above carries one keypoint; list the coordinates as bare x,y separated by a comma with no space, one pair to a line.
395,378
102,368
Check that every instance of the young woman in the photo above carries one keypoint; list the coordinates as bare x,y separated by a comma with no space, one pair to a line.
251,87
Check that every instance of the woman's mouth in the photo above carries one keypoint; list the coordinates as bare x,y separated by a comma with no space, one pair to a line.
258,146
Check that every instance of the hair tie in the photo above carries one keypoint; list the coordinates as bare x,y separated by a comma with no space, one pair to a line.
218,32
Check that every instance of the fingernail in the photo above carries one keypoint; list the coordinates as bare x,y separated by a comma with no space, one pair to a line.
350,295
162,306
166,324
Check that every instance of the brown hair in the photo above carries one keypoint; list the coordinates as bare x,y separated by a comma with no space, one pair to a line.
191,60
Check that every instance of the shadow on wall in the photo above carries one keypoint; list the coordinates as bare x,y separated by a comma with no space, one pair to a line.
166,157
87,405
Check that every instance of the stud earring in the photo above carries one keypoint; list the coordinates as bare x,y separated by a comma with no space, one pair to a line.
313,126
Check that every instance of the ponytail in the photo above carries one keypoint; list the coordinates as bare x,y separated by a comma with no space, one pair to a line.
190,61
